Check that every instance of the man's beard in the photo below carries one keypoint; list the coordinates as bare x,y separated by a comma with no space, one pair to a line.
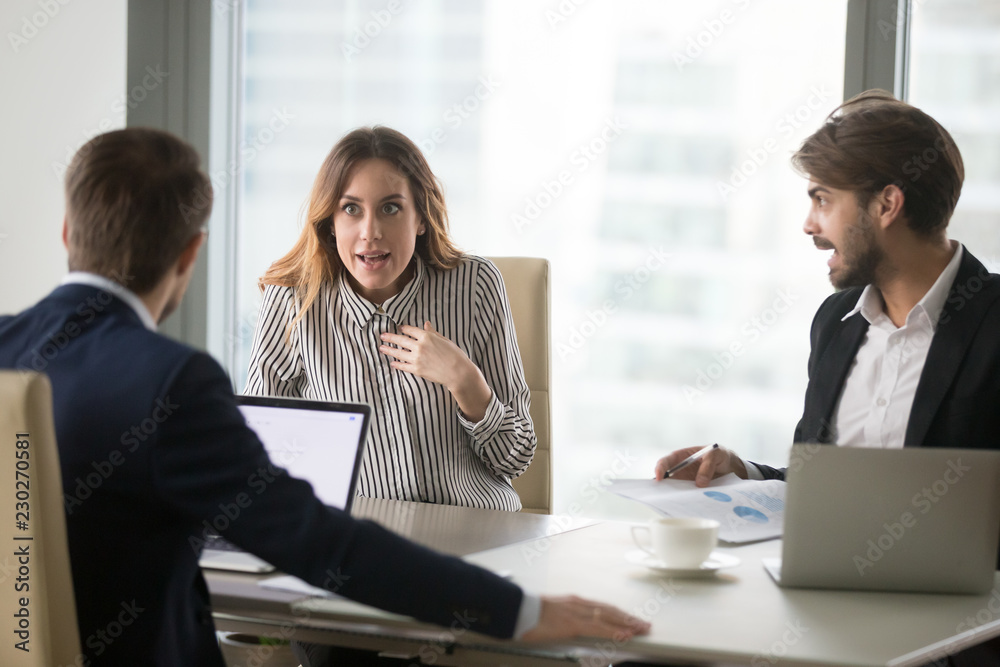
861,256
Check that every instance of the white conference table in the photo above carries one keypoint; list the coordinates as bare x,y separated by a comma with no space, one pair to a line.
738,616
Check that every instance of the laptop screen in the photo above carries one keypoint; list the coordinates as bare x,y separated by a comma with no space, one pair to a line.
320,442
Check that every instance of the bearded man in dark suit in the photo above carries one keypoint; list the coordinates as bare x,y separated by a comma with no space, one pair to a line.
907,352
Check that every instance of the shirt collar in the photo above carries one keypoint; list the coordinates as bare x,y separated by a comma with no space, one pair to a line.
930,306
106,284
361,310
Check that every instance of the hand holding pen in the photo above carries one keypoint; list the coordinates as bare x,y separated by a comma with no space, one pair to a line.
691,459
714,461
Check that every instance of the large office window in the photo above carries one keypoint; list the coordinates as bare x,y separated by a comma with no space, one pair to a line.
641,146
954,70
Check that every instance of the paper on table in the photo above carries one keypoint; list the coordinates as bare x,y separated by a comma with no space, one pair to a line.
747,510
291,584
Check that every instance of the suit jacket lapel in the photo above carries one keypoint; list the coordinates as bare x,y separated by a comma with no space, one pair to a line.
956,328
831,370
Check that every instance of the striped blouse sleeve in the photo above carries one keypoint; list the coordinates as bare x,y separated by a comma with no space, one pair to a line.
275,358
505,438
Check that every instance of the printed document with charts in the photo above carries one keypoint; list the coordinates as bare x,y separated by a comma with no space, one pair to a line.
747,510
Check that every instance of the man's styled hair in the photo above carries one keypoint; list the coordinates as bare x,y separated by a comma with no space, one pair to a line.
874,140
135,198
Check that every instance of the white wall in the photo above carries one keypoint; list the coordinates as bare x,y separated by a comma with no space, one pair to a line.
62,80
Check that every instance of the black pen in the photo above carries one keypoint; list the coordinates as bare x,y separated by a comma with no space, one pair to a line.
691,459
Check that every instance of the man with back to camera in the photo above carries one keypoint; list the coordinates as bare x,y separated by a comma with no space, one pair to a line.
136,203
907,353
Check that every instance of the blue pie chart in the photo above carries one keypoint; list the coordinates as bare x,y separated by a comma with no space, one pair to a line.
750,514
718,495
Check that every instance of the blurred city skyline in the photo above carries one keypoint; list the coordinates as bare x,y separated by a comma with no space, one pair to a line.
642,147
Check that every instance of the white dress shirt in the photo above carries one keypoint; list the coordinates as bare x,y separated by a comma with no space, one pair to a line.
111,287
420,447
874,406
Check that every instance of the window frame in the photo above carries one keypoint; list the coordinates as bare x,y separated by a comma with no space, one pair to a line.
203,106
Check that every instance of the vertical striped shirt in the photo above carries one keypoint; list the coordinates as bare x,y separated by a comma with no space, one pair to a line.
420,447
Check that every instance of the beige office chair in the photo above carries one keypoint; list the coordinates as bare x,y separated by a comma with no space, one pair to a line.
527,283
29,474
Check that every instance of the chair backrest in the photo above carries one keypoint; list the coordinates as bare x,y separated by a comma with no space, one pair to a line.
527,283
36,595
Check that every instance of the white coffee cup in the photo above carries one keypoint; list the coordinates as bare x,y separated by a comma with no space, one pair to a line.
682,543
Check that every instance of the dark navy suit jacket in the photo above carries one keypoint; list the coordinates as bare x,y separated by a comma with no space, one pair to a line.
153,448
957,403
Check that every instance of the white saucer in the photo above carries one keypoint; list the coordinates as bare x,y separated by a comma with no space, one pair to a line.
716,561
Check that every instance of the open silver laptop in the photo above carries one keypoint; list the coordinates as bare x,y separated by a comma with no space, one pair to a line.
913,519
322,443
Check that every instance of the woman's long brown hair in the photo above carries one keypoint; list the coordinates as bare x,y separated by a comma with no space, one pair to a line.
313,259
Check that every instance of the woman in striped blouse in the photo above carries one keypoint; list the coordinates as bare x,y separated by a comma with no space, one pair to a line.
375,304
